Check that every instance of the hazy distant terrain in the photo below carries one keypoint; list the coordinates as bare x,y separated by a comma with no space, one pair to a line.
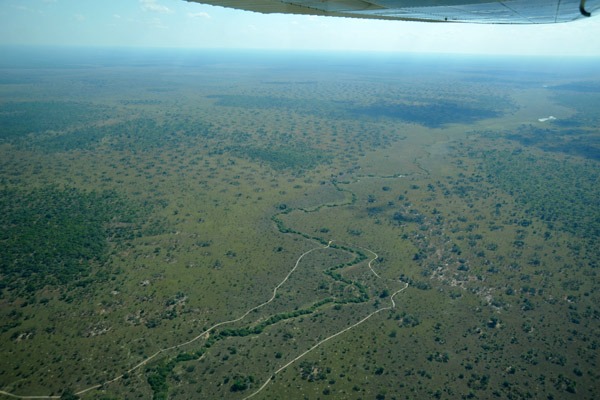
215,225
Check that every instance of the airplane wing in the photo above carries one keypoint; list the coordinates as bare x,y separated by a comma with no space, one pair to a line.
476,11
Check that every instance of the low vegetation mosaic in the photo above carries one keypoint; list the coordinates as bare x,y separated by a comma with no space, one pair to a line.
282,229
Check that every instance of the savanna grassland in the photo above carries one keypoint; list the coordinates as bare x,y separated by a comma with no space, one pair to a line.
215,225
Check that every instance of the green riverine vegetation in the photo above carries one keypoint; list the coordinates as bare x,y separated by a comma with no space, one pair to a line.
214,225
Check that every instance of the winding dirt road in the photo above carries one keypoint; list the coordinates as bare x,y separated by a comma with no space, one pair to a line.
207,332
391,306
204,333
27,397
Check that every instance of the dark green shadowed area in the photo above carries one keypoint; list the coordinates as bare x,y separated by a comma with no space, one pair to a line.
53,236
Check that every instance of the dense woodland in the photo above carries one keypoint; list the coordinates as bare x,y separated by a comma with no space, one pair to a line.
50,236
304,230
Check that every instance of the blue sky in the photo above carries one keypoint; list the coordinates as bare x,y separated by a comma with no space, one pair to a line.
177,23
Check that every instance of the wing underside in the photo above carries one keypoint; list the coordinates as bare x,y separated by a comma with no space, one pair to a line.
477,11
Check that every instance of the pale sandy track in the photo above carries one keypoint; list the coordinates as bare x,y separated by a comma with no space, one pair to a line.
204,333
370,267
207,332
16,396
393,305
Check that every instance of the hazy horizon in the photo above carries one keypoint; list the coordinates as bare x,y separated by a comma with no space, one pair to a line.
180,24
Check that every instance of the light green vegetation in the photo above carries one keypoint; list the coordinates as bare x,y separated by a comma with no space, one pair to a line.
144,206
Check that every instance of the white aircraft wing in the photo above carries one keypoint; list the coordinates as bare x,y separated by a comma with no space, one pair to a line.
476,11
